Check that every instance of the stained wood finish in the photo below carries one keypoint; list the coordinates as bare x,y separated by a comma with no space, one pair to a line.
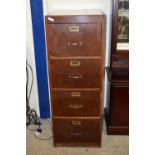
75,66
117,110
75,73
74,19
77,131
120,74
76,81
76,46
76,103
118,130
69,43
119,114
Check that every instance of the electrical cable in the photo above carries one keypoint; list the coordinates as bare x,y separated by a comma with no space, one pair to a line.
40,138
27,81
32,80
31,129
43,138
31,115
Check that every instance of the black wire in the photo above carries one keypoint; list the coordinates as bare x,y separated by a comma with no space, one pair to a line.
30,129
32,80
31,114
27,100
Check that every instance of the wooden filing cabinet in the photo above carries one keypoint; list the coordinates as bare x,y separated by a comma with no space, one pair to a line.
76,46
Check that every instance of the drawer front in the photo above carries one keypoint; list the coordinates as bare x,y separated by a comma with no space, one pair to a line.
76,81
75,66
74,39
76,103
75,73
77,130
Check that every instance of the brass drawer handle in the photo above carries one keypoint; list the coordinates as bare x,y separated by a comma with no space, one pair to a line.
76,76
75,63
76,122
74,28
74,43
76,133
75,106
75,94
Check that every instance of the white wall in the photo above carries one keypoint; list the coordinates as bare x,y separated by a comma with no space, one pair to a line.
104,5
30,58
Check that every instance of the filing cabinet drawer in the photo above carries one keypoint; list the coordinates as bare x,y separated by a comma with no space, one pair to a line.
76,103
77,130
75,66
75,73
76,81
74,39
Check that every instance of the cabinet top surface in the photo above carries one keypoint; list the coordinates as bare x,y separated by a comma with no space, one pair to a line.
74,12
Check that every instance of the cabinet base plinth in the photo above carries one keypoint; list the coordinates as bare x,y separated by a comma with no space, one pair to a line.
77,145
115,130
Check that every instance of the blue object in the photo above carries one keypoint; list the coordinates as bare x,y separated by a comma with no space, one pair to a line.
40,56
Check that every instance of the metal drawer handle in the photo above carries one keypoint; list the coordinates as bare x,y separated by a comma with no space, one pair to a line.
74,43
76,134
75,76
75,63
74,28
76,122
75,106
75,94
